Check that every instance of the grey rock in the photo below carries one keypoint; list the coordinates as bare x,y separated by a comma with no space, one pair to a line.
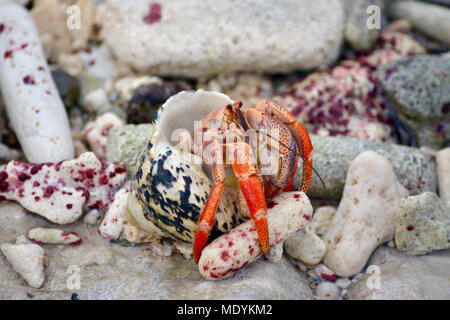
423,224
202,38
126,143
406,277
88,83
431,19
356,32
419,88
68,87
110,271
332,156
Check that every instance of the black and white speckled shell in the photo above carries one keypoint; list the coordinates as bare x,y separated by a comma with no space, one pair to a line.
169,191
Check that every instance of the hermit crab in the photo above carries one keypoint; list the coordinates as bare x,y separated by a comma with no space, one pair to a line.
201,173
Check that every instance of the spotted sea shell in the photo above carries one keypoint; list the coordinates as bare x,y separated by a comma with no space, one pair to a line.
170,187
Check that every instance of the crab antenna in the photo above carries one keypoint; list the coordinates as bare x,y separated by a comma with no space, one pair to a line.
304,160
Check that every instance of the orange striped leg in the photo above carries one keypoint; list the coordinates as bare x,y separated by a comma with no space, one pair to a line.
250,184
290,181
299,133
206,220
304,143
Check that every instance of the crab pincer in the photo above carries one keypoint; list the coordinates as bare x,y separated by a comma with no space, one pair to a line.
250,183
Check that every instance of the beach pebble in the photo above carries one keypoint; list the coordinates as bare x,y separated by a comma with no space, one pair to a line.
148,98
232,251
327,291
27,259
135,235
68,88
223,36
366,215
443,171
96,101
96,132
92,217
124,88
423,224
53,236
325,273
8,154
60,191
275,253
81,35
419,90
50,20
42,127
186,249
431,19
70,63
306,246
356,32
98,62
343,283
322,219
415,170
126,143
7,135
400,25
113,223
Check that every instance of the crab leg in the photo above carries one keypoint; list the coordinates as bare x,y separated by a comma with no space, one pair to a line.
250,183
206,220
298,132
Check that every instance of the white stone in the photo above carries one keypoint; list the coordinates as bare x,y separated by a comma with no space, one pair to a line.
343,283
322,219
327,291
306,246
70,63
275,253
34,107
59,192
53,236
92,217
224,256
366,216
201,38
27,259
113,223
433,20
136,235
96,100
96,132
98,62
443,171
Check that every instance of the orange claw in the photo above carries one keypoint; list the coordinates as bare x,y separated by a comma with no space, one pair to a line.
254,195
206,220
250,183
